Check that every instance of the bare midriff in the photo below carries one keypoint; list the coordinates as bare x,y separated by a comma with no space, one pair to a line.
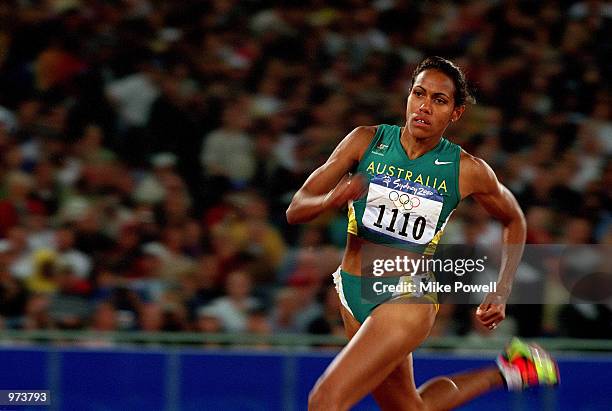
351,261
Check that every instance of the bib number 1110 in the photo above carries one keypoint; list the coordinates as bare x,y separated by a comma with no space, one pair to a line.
418,227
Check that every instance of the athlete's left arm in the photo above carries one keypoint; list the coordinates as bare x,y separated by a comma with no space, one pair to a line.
477,179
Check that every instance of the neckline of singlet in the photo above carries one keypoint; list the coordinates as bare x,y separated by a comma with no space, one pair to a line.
422,156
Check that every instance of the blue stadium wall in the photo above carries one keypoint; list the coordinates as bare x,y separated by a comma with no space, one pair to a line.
190,380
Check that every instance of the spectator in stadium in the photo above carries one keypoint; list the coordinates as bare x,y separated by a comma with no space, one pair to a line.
233,308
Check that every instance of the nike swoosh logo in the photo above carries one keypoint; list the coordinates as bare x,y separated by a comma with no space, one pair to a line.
441,163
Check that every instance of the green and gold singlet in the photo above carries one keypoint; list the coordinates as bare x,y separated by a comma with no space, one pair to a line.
408,201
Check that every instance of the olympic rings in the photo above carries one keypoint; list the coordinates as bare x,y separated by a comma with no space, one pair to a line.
404,201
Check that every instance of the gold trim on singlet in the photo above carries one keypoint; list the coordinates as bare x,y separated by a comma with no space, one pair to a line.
433,244
352,221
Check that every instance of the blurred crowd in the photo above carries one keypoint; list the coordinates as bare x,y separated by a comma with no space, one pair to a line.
149,150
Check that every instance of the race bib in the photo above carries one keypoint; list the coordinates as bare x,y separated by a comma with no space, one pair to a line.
402,209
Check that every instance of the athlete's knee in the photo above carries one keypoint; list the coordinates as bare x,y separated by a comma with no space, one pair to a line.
438,388
438,384
323,397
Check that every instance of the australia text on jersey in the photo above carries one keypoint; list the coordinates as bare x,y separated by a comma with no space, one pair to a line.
394,171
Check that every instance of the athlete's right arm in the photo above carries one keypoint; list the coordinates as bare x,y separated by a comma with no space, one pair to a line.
329,186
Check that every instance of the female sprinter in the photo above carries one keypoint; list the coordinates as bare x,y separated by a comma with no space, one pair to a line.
433,175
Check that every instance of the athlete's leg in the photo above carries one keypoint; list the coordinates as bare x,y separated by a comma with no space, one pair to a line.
380,345
397,392
524,365
445,393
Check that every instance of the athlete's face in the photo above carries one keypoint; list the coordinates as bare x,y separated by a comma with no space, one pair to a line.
431,105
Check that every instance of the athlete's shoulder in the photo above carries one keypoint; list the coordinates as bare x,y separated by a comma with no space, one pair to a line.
359,139
364,133
471,163
475,174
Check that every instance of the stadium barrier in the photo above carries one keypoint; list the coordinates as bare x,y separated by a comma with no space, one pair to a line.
131,372
285,340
